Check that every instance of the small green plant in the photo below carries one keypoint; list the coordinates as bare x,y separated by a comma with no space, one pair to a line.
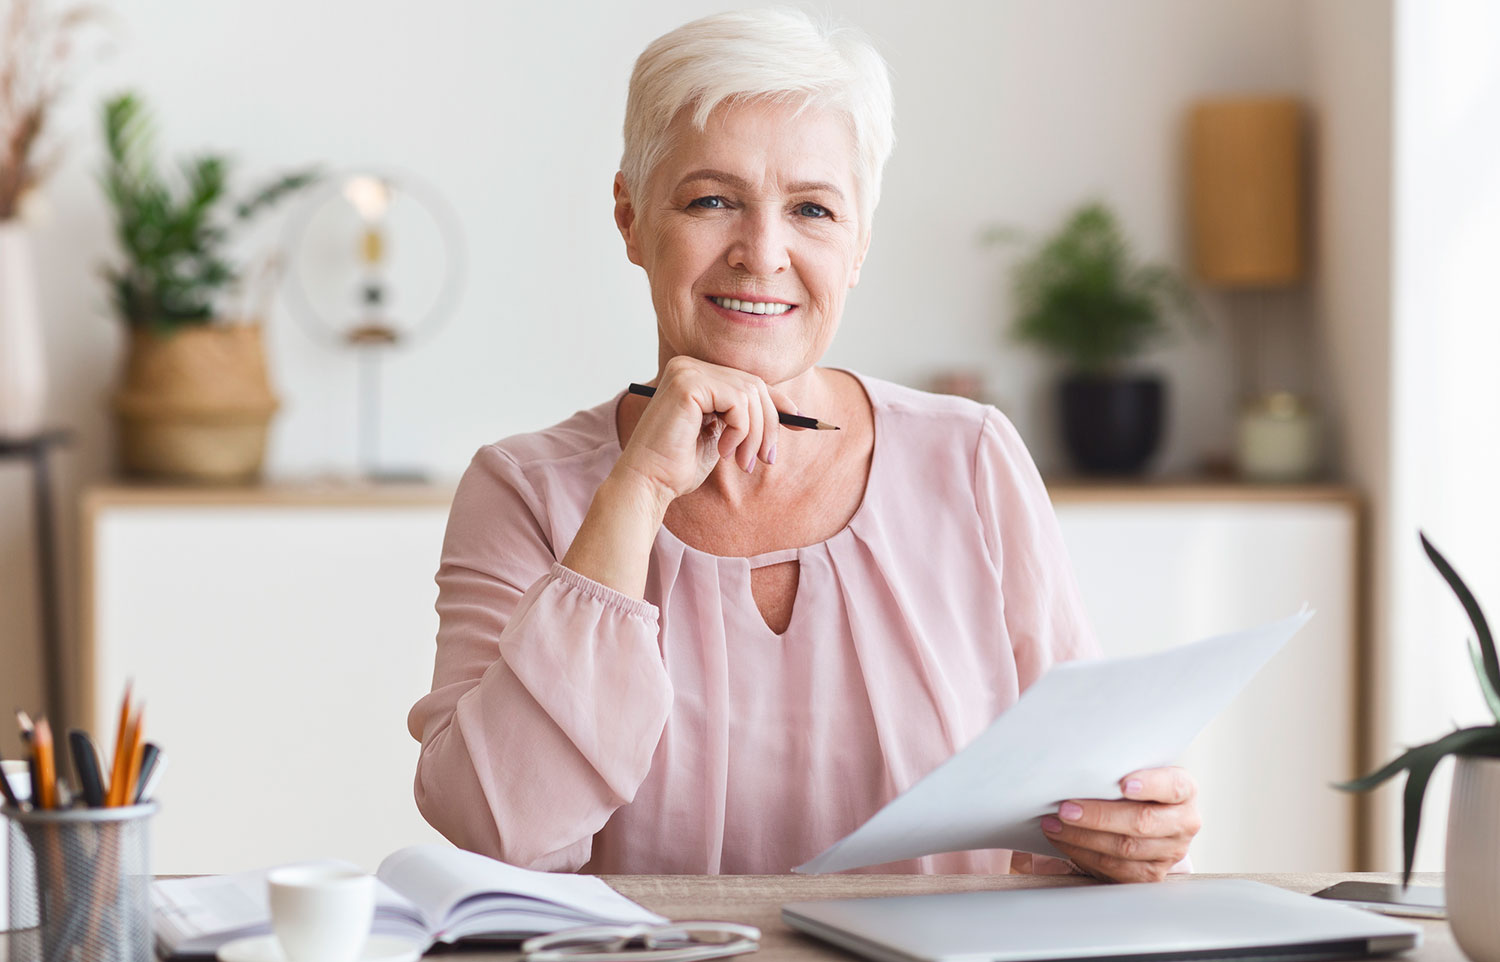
1481,740
1082,296
173,236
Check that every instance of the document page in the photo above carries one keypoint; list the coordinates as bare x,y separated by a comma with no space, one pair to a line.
1075,733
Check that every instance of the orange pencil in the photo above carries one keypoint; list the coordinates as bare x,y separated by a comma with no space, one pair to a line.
46,764
137,751
117,771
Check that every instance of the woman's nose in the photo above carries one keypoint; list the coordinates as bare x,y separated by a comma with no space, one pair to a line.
759,246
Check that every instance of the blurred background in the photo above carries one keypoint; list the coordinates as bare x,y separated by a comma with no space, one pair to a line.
455,277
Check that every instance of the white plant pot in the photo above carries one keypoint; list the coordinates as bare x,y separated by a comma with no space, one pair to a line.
23,364
1473,866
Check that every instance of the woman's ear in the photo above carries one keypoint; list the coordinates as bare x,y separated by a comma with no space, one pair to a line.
625,219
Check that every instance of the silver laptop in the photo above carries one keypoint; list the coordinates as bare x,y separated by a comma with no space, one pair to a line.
1173,920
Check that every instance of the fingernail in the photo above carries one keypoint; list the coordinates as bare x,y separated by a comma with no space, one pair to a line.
1133,787
771,455
750,468
1070,811
1051,825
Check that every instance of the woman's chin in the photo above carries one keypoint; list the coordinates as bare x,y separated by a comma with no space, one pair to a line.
771,370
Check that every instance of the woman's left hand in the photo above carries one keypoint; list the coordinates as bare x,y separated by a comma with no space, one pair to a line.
1137,839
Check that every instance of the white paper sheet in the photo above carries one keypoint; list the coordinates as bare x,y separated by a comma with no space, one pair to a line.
1073,734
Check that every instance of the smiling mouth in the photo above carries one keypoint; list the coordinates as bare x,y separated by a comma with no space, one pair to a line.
766,308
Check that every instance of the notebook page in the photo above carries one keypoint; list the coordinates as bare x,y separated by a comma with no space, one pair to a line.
437,878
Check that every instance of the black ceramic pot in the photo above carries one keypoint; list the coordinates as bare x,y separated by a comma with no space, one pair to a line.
1111,424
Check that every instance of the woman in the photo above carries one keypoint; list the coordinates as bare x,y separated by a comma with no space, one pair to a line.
679,638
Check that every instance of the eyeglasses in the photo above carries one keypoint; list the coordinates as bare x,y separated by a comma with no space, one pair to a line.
673,942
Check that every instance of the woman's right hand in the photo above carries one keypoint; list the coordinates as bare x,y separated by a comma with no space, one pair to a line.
701,413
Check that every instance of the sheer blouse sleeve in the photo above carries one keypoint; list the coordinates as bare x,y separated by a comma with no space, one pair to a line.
549,694
1044,611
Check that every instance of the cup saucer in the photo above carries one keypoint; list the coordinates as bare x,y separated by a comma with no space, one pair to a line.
265,948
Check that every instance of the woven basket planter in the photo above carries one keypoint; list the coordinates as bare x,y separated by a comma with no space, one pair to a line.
195,405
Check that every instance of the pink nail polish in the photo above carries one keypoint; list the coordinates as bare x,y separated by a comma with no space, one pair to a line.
1051,825
1071,812
771,455
1133,787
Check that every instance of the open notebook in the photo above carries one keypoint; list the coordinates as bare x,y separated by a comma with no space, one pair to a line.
425,893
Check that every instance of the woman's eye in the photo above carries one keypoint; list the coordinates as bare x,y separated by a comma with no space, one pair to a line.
814,210
709,203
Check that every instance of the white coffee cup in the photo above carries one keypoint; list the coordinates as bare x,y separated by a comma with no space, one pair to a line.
321,913
16,867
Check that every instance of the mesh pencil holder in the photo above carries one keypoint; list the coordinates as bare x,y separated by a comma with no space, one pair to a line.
81,878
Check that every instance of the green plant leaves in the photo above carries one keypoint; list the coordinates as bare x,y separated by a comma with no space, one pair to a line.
1488,667
1419,763
1081,295
172,233
270,193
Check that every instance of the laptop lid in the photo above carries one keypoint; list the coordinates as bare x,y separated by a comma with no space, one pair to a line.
1177,919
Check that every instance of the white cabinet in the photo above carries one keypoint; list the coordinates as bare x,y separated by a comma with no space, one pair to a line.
1161,568
277,638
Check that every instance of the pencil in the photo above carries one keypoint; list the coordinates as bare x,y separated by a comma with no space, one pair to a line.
136,750
121,760
46,765
790,420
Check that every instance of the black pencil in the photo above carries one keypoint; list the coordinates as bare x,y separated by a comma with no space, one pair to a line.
790,420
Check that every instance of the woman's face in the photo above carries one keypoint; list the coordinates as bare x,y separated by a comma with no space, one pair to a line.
749,236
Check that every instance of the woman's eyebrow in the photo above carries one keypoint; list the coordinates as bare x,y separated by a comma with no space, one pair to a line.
739,183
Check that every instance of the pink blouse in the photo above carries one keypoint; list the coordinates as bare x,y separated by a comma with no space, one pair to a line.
570,726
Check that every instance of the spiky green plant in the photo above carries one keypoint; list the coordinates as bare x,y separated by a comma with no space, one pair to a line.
173,235
1481,740
1082,296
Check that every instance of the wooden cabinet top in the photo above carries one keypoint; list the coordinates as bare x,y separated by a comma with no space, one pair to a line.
1082,491
270,494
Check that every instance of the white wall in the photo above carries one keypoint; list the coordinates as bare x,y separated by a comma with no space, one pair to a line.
1444,460
1007,111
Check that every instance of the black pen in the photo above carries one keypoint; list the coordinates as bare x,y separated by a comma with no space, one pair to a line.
86,764
790,420
151,761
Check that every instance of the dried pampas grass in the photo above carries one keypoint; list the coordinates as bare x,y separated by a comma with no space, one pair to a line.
38,50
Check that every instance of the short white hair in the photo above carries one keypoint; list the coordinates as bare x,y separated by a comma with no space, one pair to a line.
781,54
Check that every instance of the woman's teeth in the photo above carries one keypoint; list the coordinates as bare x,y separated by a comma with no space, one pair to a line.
750,307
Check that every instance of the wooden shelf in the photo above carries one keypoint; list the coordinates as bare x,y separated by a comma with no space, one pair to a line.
316,493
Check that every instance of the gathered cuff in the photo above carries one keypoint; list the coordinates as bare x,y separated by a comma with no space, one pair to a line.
605,595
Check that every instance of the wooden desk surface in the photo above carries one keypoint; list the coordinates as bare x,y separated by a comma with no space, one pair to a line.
757,900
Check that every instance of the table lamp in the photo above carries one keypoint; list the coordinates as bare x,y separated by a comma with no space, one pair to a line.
1246,191
1246,203
392,242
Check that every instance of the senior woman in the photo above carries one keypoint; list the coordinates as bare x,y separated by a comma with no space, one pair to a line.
677,637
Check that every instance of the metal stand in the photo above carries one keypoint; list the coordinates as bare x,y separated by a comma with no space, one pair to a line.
35,449
369,356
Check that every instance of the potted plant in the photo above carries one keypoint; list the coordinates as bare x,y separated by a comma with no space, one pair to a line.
1473,850
195,402
1082,297
37,51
